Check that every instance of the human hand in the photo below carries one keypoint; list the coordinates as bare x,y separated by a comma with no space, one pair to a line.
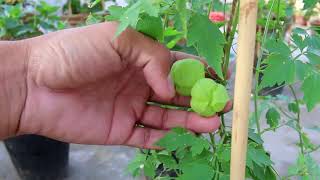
86,86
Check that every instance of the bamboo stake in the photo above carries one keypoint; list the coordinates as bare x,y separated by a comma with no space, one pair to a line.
243,84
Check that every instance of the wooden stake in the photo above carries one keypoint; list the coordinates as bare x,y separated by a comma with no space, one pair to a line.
243,84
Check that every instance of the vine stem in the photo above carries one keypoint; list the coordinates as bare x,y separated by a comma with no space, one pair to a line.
231,29
169,106
298,119
258,72
210,7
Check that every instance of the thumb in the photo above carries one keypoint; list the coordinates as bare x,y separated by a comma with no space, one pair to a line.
153,58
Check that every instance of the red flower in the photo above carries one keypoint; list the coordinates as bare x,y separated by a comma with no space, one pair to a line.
217,16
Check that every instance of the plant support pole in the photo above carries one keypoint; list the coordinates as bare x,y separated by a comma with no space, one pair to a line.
243,84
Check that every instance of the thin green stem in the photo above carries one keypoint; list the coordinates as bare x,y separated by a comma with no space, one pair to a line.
222,126
169,106
278,19
298,119
210,7
265,33
256,116
212,143
231,30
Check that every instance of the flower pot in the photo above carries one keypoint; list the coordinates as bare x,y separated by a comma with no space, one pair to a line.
38,158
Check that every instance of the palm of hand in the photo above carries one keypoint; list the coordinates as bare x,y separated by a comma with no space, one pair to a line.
83,90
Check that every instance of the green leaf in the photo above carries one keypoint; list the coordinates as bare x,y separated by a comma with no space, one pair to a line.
293,107
224,154
255,137
179,138
197,171
198,146
273,117
314,58
115,12
277,47
311,89
309,4
258,156
93,19
149,169
313,41
208,39
313,167
305,167
307,142
303,70
151,26
280,70
136,164
168,161
299,42
131,16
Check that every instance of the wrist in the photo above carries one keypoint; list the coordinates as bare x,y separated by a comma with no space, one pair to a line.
13,91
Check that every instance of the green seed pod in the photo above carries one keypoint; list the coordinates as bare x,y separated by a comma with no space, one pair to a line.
201,96
185,73
208,97
220,98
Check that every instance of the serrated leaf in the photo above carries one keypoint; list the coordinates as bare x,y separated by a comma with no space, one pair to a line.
208,39
151,26
197,171
168,161
115,12
277,47
179,138
273,117
150,7
198,146
280,69
131,16
311,89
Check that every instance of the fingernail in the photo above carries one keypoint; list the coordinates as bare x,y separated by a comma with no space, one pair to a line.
172,90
